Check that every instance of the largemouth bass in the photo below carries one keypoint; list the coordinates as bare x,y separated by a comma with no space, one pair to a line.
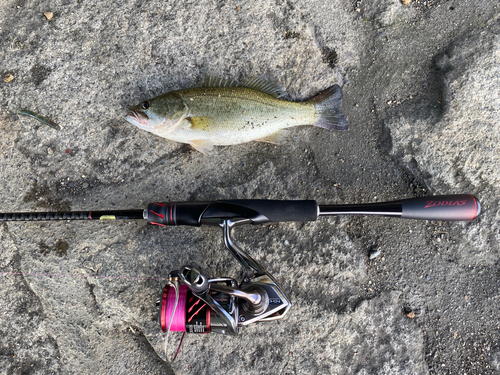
225,113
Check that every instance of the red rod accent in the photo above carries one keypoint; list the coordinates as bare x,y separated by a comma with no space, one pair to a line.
159,204
162,225
159,215
475,213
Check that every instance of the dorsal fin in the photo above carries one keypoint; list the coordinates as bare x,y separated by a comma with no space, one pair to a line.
211,80
262,84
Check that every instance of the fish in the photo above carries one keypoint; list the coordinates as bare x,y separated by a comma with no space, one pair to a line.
223,112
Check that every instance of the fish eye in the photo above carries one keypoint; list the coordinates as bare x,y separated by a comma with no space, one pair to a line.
145,105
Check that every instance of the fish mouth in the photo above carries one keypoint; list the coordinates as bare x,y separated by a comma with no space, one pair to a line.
137,118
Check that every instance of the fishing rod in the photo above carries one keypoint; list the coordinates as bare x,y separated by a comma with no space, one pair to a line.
462,207
193,303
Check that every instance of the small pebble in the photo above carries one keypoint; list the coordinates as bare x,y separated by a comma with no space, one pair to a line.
427,277
50,151
48,15
374,254
71,184
85,185
8,77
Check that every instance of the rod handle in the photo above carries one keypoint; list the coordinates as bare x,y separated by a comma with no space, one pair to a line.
258,211
460,207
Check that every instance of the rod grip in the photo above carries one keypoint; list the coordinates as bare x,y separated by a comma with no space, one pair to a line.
461,207
277,211
258,211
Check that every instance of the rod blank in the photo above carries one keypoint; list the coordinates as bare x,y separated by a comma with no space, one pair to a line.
74,215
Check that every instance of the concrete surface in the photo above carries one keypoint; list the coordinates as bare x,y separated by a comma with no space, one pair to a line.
421,93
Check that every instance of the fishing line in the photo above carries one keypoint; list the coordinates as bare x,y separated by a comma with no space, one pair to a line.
179,347
176,297
92,276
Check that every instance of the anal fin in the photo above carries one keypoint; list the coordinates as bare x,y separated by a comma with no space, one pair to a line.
202,145
275,138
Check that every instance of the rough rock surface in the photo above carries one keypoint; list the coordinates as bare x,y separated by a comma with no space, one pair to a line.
421,93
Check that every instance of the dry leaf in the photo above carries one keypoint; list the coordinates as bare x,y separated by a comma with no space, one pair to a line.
411,315
49,15
8,77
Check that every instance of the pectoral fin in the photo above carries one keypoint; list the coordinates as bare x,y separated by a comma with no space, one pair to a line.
275,138
203,146
199,122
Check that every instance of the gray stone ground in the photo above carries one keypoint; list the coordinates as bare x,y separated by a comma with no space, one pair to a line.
421,90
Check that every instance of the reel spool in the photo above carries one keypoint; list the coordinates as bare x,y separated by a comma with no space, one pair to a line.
192,314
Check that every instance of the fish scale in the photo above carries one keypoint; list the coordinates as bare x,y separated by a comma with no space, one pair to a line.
241,116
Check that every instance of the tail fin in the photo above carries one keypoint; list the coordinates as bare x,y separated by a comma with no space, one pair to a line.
327,104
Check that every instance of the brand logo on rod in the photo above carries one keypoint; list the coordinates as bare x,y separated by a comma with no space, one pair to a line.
444,203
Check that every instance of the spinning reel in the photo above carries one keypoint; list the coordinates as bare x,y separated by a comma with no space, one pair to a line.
221,305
